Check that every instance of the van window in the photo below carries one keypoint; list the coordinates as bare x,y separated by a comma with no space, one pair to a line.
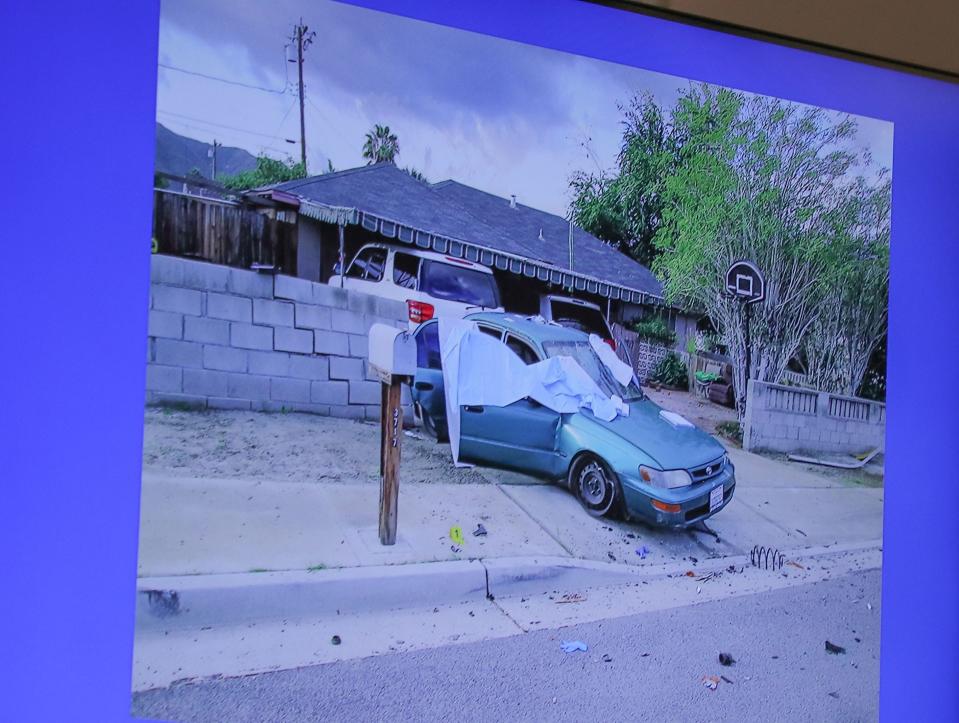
368,264
405,270
428,347
491,331
459,283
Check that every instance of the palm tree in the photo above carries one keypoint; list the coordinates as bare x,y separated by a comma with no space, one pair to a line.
381,145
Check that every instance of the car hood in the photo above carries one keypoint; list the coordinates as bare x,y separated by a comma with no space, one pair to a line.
672,447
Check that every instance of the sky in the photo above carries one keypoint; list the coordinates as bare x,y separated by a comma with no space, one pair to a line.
505,117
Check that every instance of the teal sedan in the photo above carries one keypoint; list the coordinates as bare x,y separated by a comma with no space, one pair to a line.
648,465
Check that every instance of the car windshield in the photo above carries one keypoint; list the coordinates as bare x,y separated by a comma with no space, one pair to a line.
457,283
583,353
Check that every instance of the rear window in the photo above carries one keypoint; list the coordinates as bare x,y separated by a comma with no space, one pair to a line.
458,283
582,318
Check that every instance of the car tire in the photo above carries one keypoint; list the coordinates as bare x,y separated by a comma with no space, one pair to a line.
596,487
437,432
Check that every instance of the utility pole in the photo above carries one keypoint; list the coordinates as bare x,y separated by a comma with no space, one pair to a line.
303,36
213,156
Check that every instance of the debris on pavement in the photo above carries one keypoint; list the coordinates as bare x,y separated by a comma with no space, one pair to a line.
642,552
796,564
414,435
726,659
456,535
572,597
726,679
456,548
611,556
335,640
607,658
690,573
834,694
707,577
834,649
571,646
801,532
480,531
711,681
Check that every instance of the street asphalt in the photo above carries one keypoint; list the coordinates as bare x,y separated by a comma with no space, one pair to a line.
655,668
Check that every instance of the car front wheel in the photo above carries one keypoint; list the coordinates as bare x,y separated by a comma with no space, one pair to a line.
596,487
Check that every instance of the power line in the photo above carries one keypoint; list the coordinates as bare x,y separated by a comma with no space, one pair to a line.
222,125
222,80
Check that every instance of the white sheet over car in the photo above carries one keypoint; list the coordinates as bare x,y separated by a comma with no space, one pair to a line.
480,370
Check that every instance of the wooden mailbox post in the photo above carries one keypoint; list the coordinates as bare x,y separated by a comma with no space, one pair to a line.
392,358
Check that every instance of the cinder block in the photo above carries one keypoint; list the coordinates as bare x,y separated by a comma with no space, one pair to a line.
391,310
310,316
332,343
208,331
362,304
359,345
248,336
251,283
289,287
273,313
345,368
332,296
299,341
178,353
165,324
205,276
320,409
247,386
226,403
315,368
179,401
225,358
372,412
164,379
350,321
173,298
270,363
364,392
347,412
330,393
166,269
231,308
289,390
271,407
204,382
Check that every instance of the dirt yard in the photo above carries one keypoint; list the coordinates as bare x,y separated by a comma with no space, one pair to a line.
701,412
285,447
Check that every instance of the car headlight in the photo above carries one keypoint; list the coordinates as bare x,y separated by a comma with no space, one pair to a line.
669,479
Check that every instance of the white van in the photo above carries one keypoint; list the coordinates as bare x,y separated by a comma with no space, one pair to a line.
431,284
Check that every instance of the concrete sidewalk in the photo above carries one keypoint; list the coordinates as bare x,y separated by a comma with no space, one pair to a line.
208,526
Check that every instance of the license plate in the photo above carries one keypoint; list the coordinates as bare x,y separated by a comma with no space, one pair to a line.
715,498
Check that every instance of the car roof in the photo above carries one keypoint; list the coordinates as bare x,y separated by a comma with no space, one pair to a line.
534,328
431,255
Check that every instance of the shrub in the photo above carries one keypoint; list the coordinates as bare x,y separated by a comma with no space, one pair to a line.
655,329
730,430
671,371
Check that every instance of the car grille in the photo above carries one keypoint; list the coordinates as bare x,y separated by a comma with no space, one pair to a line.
708,471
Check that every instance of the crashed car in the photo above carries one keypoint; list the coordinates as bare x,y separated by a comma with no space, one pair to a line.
641,463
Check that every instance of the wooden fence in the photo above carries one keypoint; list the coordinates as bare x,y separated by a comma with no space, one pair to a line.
222,232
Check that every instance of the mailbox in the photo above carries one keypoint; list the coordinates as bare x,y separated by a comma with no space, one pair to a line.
392,352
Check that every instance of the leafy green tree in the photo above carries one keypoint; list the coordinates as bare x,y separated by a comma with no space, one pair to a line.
267,172
625,208
757,178
381,145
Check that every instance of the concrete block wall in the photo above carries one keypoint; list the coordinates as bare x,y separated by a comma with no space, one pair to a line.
789,419
226,338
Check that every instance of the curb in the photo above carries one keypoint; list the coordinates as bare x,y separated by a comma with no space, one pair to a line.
165,603
201,600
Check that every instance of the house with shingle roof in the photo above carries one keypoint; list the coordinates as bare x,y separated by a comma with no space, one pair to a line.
530,251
